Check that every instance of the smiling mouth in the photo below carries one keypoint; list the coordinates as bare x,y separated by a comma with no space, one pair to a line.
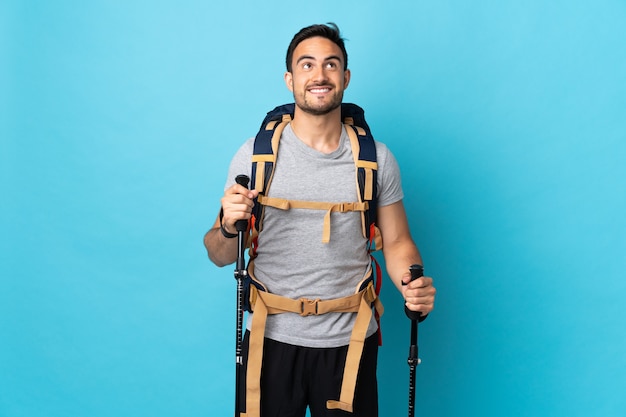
319,90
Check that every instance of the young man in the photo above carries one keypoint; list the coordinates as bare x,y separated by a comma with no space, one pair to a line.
304,356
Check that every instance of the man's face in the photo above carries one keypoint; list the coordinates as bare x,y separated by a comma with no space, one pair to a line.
317,79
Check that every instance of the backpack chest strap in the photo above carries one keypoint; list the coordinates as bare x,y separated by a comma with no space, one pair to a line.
284,204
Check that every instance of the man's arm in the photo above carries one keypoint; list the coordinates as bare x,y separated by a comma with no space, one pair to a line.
400,253
237,204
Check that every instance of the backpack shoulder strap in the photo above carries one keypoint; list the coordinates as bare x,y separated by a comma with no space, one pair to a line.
264,155
364,153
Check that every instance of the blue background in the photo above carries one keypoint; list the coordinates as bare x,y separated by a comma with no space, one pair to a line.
118,119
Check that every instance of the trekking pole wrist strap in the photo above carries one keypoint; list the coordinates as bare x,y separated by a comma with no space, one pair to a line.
226,233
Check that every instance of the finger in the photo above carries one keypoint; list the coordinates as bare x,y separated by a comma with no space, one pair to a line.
236,207
422,308
421,299
422,282
235,200
406,278
239,202
238,211
240,189
421,296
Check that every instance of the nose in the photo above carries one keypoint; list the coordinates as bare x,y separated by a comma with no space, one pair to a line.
319,74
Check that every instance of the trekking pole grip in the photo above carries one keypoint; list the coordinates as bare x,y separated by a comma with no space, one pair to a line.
242,225
417,271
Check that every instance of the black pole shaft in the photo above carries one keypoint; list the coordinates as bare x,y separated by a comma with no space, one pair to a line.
238,346
413,360
240,274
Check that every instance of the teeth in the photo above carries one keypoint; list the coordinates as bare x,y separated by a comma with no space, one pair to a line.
320,90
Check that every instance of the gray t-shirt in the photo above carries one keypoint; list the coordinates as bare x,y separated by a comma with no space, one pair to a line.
292,260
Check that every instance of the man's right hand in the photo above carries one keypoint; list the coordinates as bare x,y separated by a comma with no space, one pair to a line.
237,204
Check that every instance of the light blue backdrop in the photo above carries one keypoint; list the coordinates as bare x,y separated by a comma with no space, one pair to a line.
118,120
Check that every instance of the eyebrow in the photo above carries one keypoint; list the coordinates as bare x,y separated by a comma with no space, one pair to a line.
329,58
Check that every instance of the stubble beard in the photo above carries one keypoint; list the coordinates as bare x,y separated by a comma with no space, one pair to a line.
304,104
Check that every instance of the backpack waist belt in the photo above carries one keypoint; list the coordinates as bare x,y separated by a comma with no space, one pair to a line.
264,303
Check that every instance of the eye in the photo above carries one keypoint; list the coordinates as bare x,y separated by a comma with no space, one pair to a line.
331,65
307,66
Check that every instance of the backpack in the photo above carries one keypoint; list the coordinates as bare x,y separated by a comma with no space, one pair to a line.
363,148
256,297
265,153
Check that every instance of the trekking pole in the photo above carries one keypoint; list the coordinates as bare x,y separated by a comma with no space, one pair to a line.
416,272
240,274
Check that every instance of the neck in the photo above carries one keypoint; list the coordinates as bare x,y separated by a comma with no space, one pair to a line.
321,133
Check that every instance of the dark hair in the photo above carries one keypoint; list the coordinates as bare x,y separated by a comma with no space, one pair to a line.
329,31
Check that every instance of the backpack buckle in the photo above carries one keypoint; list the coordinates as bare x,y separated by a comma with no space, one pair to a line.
308,307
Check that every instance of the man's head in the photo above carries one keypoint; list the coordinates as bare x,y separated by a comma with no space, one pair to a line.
317,73
329,31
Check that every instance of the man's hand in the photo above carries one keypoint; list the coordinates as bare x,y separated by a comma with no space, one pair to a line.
237,204
419,295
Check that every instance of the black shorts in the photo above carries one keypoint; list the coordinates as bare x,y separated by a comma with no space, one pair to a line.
294,377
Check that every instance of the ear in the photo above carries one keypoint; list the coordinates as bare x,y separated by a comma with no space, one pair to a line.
289,81
346,78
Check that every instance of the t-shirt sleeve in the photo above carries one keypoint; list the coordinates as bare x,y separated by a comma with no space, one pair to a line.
389,180
241,163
